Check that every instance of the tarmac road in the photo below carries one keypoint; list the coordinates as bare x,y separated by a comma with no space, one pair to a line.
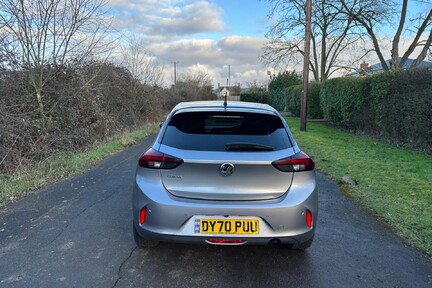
78,233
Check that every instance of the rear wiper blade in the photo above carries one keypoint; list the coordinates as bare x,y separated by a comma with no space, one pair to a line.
237,146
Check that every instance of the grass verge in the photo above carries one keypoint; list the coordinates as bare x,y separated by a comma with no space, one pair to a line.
65,164
394,183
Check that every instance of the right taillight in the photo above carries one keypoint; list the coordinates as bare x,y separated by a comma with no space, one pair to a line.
157,160
309,219
298,162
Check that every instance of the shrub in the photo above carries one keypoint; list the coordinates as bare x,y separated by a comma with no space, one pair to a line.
313,101
345,101
379,89
404,106
330,100
395,104
78,112
293,96
293,99
254,96
277,88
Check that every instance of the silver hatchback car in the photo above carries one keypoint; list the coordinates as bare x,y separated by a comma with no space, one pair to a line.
225,175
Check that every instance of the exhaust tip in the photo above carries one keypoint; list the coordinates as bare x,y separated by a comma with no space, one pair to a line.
274,242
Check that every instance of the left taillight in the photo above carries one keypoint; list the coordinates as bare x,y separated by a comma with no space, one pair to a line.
143,215
298,162
156,160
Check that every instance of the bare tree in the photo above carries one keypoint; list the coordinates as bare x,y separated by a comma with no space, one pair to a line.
7,51
50,33
255,86
370,14
193,86
141,63
147,75
333,37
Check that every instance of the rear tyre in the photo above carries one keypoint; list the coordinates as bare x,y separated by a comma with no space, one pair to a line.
141,242
304,245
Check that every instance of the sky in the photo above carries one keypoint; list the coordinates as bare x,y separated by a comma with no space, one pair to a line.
220,38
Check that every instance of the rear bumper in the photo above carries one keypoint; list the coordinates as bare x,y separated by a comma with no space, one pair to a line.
286,241
170,218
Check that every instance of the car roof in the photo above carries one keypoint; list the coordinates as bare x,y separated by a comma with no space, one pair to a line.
219,106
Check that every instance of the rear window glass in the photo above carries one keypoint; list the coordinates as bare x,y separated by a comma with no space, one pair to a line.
213,131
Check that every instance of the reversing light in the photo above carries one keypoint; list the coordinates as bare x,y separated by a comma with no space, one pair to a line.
309,218
143,215
298,162
158,160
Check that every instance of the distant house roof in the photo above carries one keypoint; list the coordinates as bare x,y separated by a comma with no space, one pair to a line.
408,63
224,90
375,68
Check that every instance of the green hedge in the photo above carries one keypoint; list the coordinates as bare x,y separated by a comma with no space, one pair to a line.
396,105
254,96
293,100
278,85
314,109
405,111
344,101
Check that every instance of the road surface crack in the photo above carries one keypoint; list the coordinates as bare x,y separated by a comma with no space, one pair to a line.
79,214
119,274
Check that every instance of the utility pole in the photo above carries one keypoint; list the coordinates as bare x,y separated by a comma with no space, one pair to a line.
229,75
303,110
175,73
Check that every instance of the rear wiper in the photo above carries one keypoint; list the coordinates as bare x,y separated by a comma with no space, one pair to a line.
237,146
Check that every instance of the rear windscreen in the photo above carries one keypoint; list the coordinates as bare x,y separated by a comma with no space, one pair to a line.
212,131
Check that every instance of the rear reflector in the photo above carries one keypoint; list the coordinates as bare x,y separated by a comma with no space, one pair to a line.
143,215
225,241
309,218
157,160
298,162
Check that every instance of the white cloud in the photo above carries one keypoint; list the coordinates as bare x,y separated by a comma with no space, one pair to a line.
235,50
167,19
241,53
193,34
197,69
172,31
189,52
249,74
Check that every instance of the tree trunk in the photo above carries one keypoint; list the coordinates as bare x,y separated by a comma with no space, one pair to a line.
423,53
314,65
323,67
40,104
37,86
395,46
415,43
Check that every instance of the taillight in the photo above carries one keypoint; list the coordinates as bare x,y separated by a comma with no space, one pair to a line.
309,218
298,162
157,160
143,215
